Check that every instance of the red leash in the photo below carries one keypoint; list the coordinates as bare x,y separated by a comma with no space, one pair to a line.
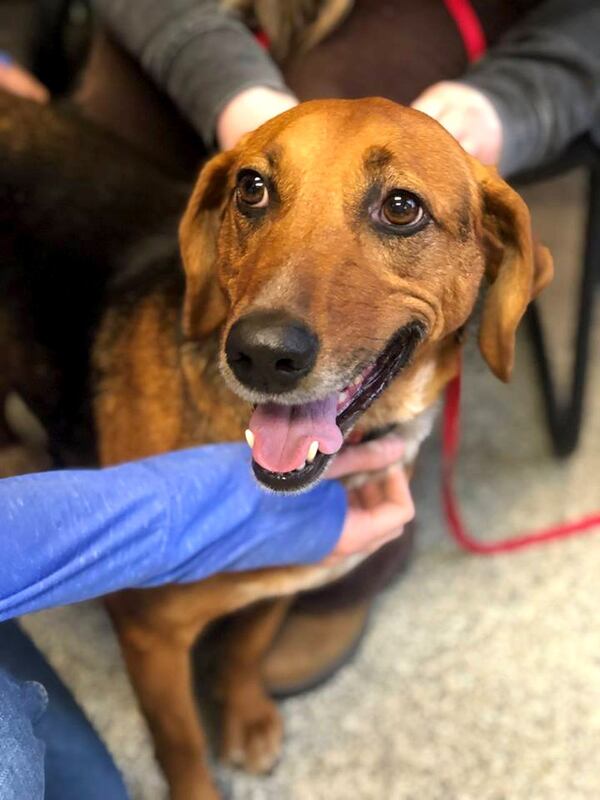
464,16
469,27
473,37
450,447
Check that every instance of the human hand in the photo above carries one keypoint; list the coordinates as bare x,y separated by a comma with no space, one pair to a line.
248,110
466,113
16,80
379,509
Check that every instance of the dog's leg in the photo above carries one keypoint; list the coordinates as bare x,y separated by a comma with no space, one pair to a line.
23,440
20,454
158,661
23,444
9,447
252,728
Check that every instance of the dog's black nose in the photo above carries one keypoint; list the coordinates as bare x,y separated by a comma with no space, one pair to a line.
269,351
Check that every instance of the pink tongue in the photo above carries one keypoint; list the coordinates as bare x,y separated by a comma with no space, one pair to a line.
283,434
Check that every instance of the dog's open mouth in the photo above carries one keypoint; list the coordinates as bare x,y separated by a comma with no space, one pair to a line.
292,445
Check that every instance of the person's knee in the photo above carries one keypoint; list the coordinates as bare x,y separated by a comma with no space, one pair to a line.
21,751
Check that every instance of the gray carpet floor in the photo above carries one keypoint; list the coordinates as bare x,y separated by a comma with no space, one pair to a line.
480,677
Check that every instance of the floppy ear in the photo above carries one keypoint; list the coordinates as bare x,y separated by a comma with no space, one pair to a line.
517,268
205,305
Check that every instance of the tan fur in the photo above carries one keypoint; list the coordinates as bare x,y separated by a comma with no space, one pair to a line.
319,259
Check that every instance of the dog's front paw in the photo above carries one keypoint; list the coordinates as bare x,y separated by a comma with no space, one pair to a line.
252,732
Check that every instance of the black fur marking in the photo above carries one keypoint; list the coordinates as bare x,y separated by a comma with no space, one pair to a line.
376,158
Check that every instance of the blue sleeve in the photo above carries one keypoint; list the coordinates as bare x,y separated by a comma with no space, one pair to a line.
71,535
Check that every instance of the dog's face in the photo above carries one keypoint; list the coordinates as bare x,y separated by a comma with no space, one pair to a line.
336,244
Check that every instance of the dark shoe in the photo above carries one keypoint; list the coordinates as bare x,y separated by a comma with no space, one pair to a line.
323,629
310,648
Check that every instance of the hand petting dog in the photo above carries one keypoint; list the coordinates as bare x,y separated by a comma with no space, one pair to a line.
379,509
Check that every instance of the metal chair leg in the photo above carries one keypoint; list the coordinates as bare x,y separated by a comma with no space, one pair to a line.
565,417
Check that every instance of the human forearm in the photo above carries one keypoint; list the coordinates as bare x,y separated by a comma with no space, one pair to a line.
71,535
199,55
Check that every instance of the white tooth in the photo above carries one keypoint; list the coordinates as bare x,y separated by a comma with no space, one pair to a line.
312,452
249,438
343,397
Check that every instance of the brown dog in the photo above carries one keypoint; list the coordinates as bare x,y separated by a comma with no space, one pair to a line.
332,260
338,249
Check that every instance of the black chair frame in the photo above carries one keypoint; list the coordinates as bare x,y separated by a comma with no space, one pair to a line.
565,414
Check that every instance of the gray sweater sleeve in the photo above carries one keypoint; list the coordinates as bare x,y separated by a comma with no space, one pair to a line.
196,52
544,80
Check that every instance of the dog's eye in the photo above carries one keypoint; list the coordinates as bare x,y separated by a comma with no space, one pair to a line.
402,208
251,189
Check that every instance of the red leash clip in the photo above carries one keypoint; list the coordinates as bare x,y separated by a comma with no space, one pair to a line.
450,447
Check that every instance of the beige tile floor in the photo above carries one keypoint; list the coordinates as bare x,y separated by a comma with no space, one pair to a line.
480,678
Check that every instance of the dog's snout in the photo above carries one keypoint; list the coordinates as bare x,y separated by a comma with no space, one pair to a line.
270,351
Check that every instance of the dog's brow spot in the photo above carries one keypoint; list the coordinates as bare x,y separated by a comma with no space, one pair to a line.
273,156
376,158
